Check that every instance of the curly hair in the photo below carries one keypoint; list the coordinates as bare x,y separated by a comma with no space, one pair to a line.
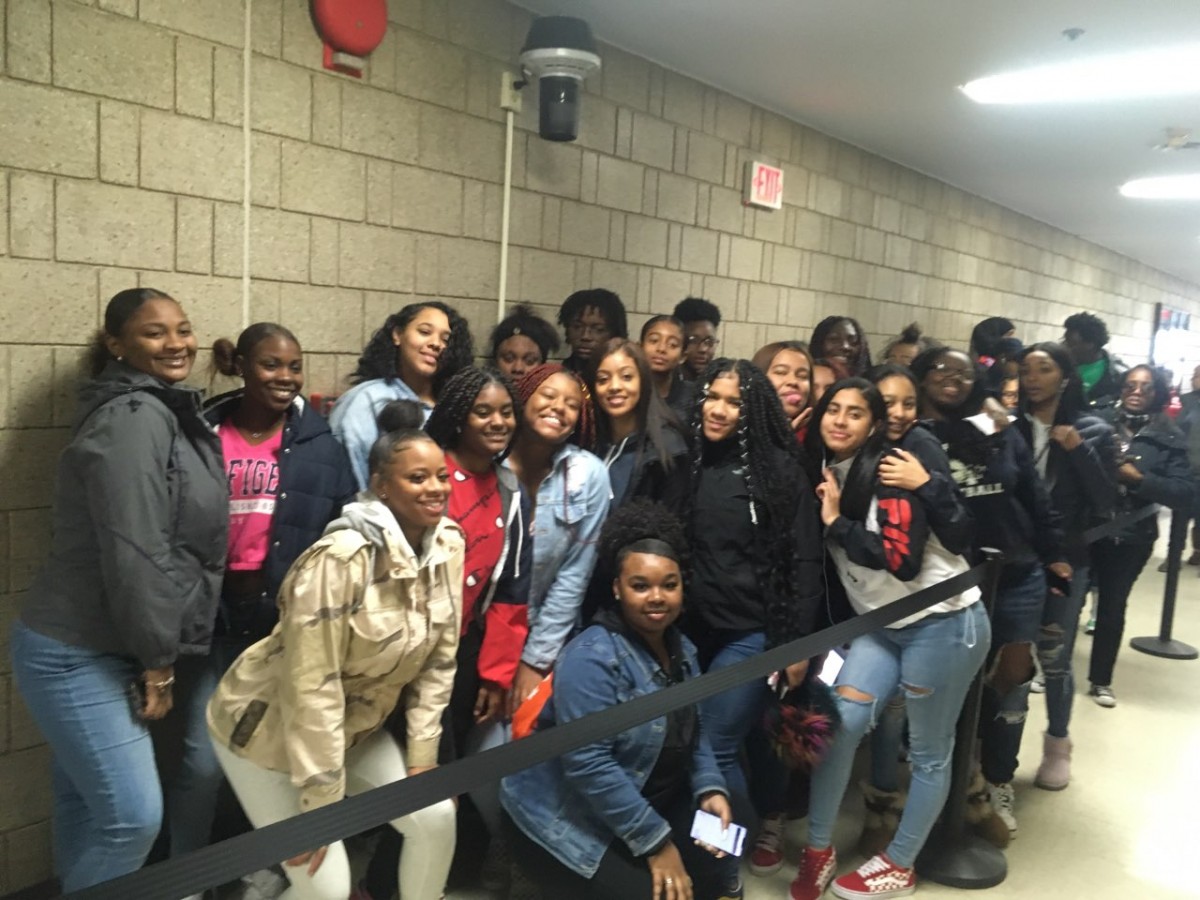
641,520
604,301
524,321
826,325
765,438
1089,327
378,358
446,422
584,435
697,309
1160,382
860,482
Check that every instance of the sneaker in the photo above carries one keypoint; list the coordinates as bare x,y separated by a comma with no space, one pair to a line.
767,856
1090,627
1194,559
1103,695
877,877
1004,801
1162,566
1038,685
732,893
817,868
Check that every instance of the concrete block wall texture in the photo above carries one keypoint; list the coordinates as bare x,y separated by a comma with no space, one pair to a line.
121,164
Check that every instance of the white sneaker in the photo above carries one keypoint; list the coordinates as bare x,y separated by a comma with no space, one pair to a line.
1103,695
1038,685
1004,801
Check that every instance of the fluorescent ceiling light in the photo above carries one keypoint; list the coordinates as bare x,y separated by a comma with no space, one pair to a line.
1167,187
1165,72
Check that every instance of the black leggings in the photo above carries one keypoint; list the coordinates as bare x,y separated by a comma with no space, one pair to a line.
623,876
1116,565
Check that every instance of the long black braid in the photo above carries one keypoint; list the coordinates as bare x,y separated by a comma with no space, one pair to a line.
766,446
458,397
378,358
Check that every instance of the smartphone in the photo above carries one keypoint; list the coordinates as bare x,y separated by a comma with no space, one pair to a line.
829,671
707,828
137,698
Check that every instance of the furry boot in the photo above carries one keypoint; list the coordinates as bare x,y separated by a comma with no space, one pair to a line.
980,815
882,818
1054,773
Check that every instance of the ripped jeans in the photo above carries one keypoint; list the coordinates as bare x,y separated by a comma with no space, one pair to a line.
1056,647
933,660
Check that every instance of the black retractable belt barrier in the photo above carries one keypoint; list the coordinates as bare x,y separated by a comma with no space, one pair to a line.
228,860
1163,645
953,856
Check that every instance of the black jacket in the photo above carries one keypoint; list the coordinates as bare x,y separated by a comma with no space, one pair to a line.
1159,452
1106,392
1012,507
315,482
139,524
733,558
945,508
1082,482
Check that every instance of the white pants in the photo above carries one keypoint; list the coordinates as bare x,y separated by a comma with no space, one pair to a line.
429,833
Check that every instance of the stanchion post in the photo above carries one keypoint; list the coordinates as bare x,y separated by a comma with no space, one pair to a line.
1164,645
953,856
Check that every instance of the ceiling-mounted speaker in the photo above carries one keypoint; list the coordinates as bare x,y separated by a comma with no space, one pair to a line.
350,30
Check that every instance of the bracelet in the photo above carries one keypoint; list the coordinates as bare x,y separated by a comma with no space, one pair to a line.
162,685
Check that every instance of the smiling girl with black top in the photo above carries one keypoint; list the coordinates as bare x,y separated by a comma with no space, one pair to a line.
759,579
1013,513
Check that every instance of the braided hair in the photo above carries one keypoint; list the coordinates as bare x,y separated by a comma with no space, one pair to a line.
378,358
765,439
637,521
584,435
458,398
605,302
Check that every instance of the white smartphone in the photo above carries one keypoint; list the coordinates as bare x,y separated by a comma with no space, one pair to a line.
833,665
707,828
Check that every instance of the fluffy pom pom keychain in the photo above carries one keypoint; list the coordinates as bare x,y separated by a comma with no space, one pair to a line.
803,724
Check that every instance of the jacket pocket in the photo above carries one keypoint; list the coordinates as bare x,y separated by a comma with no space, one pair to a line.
383,641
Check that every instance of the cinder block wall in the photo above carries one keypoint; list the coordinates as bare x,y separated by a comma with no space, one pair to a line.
121,163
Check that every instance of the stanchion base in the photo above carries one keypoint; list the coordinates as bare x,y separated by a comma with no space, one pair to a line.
967,862
1172,649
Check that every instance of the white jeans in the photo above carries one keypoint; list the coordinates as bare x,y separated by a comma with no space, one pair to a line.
429,833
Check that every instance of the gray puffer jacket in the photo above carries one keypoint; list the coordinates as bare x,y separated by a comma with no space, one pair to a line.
140,520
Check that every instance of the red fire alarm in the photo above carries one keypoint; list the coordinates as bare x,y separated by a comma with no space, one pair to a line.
351,29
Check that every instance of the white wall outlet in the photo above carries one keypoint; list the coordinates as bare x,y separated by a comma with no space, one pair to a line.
510,96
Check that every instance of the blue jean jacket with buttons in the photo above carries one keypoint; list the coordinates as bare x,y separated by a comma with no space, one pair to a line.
574,806
572,504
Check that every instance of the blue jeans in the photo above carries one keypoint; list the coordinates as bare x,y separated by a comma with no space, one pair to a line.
1056,649
887,738
1017,619
191,791
107,800
729,717
933,661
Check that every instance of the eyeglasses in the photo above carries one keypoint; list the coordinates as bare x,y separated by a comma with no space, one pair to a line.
1135,387
945,371
707,343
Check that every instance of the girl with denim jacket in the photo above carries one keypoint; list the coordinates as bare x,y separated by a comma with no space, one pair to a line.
411,357
611,821
883,549
570,492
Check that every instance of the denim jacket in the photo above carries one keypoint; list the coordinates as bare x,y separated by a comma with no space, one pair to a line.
352,419
575,804
572,503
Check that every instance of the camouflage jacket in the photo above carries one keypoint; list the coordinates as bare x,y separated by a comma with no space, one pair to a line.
362,622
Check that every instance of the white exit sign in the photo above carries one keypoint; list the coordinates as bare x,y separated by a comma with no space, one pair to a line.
764,186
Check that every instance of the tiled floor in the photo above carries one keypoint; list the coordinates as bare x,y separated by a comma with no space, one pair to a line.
1128,824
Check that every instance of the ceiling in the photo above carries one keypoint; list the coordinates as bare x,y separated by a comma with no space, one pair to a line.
883,75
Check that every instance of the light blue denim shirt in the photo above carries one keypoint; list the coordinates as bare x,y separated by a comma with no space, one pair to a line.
572,504
353,419
575,804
